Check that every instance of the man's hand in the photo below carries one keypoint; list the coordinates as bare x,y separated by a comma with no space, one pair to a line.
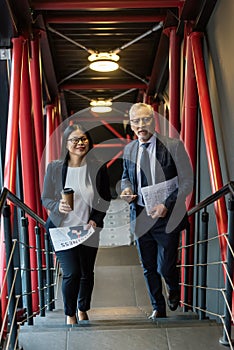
128,195
159,211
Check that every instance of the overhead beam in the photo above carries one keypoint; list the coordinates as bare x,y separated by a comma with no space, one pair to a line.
48,66
105,4
205,15
107,19
160,66
94,85
198,12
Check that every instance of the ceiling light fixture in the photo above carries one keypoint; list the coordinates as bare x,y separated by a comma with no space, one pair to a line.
101,106
103,61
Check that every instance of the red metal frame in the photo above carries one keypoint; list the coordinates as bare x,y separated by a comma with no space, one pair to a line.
29,177
11,149
155,106
104,85
174,83
50,126
117,156
76,5
210,137
108,126
190,107
35,65
87,18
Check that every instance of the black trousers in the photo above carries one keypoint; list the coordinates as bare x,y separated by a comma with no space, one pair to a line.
78,277
77,265
158,253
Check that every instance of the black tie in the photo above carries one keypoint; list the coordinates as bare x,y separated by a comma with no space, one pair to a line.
146,178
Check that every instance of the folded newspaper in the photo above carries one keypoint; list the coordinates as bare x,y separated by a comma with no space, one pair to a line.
68,237
157,194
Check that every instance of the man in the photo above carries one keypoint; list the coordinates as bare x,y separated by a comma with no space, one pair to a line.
157,229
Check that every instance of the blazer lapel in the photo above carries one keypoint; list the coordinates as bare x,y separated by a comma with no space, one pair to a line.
64,173
134,153
160,159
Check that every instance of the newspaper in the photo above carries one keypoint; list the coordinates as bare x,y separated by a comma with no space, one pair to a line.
68,237
157,194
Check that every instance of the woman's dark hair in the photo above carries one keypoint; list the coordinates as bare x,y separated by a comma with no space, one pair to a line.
64,152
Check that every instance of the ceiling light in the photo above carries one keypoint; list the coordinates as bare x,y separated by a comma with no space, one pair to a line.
103,62
101,106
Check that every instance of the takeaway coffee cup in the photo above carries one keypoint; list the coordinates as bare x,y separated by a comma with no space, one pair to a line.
68,195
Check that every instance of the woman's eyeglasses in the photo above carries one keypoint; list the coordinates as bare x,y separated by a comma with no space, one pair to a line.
144,120
76,140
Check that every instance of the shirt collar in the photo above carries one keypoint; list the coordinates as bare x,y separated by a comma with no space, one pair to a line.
152,141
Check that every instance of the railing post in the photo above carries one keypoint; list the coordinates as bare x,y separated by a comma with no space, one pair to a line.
49,274
203,262
40,272
186,268
226,339
10,277
26,269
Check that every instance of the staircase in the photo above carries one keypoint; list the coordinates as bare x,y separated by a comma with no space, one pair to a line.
119,316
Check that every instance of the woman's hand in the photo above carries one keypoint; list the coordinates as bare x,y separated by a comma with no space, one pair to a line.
92,223
64,207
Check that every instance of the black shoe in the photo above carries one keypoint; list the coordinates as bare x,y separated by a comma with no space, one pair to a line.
157,314
173,299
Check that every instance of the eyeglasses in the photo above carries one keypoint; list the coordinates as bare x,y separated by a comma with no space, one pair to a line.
144,120
76,140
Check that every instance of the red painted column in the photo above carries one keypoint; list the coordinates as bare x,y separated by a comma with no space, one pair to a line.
174,83
28,171
50,144
58,121
209,134
155,106
13,116
165,130
57,135
11,148
36,84
190,140
37,103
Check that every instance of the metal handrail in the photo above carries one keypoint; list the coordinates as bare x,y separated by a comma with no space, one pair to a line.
13,299
227,318
228,188
7,194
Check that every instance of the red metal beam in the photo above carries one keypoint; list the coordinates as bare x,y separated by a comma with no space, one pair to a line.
108,18
174,83
116,157
29,173
108,119
159,66
13,116
36,83
50,146
11,153
115,132
103,85
105,4
210,137
189,121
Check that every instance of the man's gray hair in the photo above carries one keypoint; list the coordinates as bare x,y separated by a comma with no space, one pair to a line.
136,106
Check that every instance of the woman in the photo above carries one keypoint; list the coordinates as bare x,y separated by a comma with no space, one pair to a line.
80,171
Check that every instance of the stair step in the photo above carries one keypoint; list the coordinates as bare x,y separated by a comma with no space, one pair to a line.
133,319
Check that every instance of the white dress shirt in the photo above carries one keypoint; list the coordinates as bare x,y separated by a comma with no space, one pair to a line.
151,149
